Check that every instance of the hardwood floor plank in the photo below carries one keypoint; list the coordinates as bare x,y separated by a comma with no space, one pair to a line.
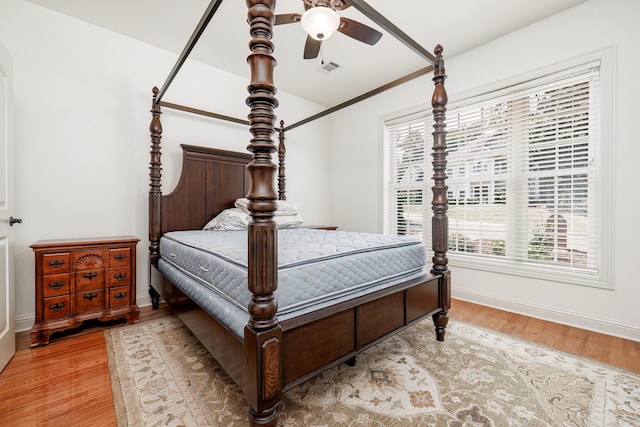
592,345
66,383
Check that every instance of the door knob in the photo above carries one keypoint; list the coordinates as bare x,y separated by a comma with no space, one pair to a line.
13,220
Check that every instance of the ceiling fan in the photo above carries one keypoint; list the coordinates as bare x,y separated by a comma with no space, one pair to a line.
320,20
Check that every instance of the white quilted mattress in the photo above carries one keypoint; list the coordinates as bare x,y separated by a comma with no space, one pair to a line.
315,266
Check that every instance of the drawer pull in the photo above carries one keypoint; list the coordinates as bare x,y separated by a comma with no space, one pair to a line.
90,296
57,306
90,275
56,263
119,257
56,285
120,296
120,276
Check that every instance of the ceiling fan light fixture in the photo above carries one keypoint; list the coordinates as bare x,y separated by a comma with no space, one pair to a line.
320,22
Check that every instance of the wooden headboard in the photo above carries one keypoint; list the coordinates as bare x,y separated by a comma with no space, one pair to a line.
210,181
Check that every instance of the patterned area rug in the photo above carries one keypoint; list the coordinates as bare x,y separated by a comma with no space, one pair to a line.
161,375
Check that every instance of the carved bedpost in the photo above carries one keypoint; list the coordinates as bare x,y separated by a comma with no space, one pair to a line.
282,152
155,193
262,334
439,204
155,173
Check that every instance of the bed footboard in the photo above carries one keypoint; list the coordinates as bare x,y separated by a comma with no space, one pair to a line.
318,340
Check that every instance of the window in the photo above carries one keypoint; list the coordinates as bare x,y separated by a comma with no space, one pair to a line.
406,171
527,171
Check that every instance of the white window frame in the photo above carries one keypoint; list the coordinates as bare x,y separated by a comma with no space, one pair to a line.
602,276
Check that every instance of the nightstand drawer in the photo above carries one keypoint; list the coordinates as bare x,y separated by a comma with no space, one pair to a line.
89,260
88,301
89,279
119,276
55,263
56,284
56,307
119,297
119,257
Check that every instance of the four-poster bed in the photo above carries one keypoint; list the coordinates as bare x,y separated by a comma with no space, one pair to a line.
267,347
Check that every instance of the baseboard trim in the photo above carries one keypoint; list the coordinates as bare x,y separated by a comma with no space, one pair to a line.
144,300
25,322
592,323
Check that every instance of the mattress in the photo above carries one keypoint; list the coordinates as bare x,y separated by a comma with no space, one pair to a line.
315,268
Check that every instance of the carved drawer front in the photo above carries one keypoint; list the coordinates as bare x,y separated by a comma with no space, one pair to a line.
88,280
56,307
55,284
119,276
120,257
119,296
88,301
89,260
55,263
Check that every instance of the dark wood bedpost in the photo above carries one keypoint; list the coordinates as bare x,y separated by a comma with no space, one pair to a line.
155,173
282,153
155,192
262,334
440,221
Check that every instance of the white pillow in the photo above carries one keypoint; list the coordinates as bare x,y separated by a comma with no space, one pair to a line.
229,220
288,221
284,207
234,219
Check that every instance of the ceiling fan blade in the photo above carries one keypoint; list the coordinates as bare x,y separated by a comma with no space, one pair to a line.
288,18
311,48
359,31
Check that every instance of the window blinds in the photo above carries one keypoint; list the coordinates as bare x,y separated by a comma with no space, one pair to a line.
407,176
522,171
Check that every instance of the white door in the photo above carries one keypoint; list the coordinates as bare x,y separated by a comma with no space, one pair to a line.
7,320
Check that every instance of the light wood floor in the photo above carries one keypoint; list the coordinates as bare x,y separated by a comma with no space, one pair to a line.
592,345
66,383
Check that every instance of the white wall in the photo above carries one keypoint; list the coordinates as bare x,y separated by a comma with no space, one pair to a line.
355,189
82,100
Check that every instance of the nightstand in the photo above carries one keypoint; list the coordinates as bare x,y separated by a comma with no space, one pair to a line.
81,279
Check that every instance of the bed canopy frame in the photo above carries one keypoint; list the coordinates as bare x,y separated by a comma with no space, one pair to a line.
263,336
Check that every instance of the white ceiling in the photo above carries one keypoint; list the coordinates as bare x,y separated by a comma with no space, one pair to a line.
458,25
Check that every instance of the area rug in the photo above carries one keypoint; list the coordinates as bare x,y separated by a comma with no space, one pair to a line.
162,376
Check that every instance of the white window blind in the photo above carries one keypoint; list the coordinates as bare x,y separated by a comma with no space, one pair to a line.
524,177
407,176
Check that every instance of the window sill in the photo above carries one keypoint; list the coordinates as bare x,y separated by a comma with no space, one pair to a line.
530,270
